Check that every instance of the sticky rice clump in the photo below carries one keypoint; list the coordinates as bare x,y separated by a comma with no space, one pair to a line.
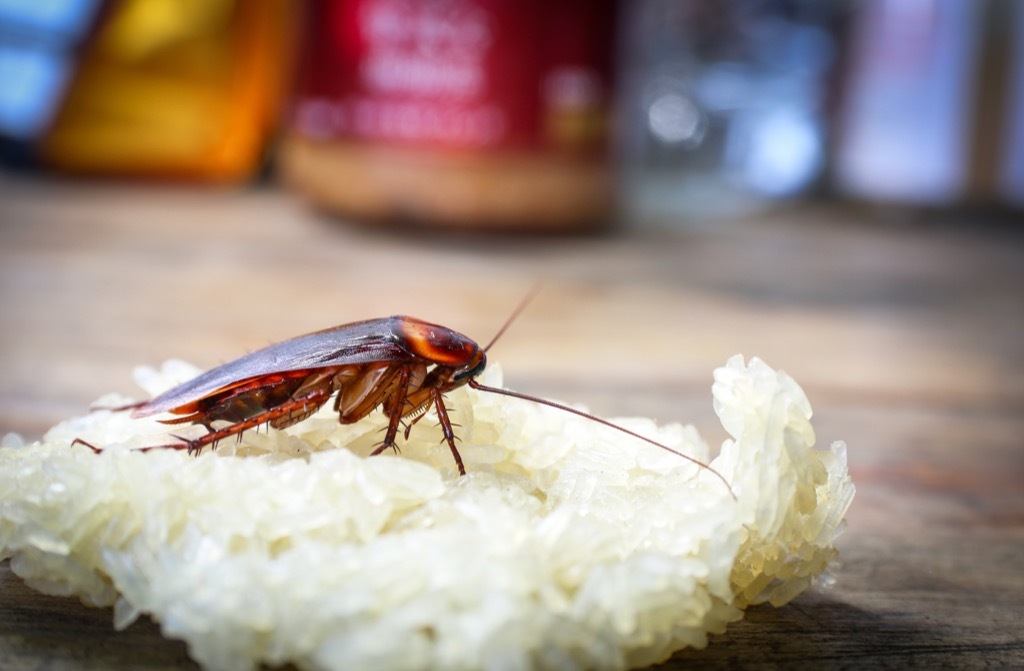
567,546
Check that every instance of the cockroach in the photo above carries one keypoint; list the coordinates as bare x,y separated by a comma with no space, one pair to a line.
402,364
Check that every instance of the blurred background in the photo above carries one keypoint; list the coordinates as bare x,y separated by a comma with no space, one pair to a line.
835,186
562,115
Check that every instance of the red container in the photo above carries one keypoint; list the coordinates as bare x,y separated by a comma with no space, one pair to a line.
466,113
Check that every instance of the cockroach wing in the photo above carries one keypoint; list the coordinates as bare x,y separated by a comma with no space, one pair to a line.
357,343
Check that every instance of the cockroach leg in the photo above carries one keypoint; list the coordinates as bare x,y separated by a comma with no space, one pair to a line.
79,441
446,427
382,446
315,397
194,446
395,417
420,413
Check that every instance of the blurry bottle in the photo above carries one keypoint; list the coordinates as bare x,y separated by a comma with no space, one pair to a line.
933,107
904,126
39,47
179,88
475,114
1010,180
723,105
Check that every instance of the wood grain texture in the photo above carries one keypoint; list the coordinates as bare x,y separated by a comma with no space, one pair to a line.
909,340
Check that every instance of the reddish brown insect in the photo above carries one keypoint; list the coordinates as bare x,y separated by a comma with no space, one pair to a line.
401,364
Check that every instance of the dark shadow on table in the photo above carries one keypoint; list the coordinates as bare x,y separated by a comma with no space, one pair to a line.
55,633
820,631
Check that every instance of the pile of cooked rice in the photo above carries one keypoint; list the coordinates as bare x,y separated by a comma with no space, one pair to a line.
568,545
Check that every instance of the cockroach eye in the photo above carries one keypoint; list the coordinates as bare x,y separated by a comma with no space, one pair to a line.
468,373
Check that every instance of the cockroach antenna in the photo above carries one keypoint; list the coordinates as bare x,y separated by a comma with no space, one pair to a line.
527,299
579,413
604,422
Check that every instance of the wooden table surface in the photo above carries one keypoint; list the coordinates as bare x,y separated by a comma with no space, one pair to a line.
908,338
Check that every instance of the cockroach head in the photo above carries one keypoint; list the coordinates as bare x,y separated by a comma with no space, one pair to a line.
442,346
